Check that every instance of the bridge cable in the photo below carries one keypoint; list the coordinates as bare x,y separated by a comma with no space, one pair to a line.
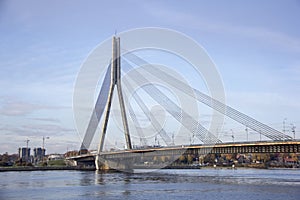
149,115
213,103
180,115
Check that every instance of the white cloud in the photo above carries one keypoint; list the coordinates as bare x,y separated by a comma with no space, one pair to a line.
14,136
46,119
188,20
20,108
36,130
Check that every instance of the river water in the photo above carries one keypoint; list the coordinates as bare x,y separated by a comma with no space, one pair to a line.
163,184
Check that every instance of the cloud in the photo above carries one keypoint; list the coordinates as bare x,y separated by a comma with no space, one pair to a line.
13,136
46,119
290,74
263,100
36,130
20,108
50,129
188,20
277,38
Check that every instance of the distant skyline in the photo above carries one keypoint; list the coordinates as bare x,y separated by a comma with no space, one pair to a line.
255,46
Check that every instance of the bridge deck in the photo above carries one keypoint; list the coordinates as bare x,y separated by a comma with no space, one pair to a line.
237,147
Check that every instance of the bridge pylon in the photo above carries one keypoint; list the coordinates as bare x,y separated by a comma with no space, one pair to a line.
115,81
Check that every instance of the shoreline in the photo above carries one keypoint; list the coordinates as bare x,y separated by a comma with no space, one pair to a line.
57,168
15,169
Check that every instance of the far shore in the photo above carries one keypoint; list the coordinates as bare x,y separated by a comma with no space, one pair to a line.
45,168
92,168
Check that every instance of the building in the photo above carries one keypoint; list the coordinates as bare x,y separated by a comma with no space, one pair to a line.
56,157
24,154
39,153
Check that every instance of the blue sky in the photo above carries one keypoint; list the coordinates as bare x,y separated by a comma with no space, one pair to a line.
255,45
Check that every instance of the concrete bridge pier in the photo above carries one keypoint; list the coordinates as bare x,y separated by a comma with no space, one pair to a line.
101,164
124,164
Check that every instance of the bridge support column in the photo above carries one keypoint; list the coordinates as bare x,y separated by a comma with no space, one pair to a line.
124,165
101,164
115,81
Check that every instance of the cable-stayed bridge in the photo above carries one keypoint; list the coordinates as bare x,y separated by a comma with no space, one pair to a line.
277,142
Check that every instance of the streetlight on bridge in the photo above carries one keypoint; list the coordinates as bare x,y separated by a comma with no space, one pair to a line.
246,129
294,130
283,128
259,135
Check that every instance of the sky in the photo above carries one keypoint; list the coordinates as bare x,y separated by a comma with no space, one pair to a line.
255,46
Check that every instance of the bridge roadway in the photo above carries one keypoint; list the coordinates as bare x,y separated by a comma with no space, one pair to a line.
139,155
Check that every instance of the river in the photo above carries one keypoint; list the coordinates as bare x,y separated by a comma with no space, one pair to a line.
163,184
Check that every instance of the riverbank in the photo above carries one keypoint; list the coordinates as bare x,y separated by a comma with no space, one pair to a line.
45,168
92,168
